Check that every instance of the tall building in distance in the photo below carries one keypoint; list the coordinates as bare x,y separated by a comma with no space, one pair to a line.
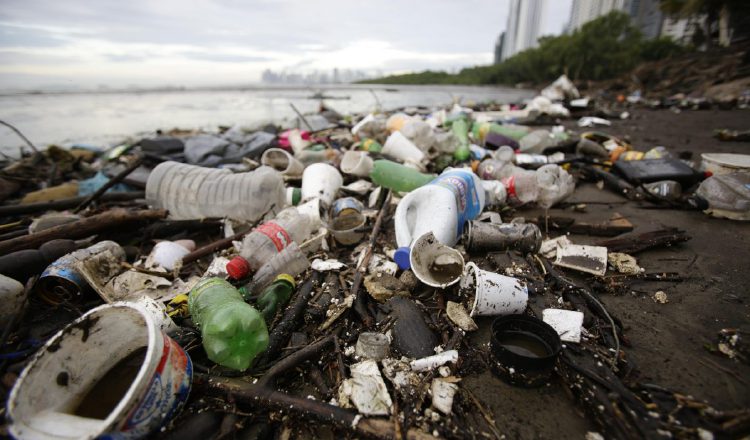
522,31
645,14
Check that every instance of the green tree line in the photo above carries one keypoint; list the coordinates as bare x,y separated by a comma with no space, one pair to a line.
603,48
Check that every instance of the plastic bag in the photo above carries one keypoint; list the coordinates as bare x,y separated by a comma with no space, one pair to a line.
728,195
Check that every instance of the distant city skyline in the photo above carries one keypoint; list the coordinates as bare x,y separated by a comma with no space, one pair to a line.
140,43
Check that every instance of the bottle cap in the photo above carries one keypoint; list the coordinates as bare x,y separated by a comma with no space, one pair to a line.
286,277
401,257
293,196
238,268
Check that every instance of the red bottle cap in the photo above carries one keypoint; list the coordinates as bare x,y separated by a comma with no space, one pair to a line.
238,268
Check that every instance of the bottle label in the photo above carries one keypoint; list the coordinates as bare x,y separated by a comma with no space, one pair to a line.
461,183
276,234
510,191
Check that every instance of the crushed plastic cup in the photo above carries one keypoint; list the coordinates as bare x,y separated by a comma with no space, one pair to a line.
356,163
88,381
434,263
282,161
401,148
494,294
322,181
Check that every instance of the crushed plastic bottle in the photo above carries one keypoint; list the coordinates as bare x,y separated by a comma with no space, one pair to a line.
193,192
267,240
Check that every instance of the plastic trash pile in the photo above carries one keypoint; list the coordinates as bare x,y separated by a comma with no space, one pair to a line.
150,287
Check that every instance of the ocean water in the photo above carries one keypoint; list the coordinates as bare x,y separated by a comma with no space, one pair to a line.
107,118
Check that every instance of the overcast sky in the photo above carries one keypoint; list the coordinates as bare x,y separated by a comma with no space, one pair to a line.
120,43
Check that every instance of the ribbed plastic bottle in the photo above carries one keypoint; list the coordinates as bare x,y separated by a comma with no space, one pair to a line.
193,192
291,260
233,332
442,207
267,240
521,185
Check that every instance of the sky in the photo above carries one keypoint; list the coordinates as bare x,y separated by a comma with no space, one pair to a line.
88,44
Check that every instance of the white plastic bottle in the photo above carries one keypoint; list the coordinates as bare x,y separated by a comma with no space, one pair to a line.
442,207
193,192
267,240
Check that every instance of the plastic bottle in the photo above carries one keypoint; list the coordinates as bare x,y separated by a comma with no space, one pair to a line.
233,331
193,192
460,128
371,145
393,175
554,183
420,133
521,186
536,142
267,240
442,207
275,296
668,189
515,132
291,261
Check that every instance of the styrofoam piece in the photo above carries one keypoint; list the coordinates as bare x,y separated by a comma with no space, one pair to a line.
494,294
401,148
590,259
432,362
168,254
12,297
366,390
567,323
356,163
321,181
442,395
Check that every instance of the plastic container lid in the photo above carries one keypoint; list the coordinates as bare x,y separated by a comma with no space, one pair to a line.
238,268
401,257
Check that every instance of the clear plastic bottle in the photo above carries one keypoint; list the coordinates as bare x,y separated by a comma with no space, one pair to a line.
267,240
193,192
291,261
442,207
233,332
521,187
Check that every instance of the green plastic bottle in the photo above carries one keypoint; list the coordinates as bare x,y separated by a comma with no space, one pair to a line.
460,127
515,132
371,145
233,331
275,296
397,177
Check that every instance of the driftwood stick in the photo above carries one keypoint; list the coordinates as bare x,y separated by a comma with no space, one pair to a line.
81,228
295,359
72,202
245,393
213,247
359,303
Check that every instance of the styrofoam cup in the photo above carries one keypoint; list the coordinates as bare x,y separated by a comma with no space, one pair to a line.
434,263
322,181
312,209
357,163
282,161
401,148
494,294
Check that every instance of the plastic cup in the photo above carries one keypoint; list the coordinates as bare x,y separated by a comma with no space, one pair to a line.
434,263
399,147
357,163
494,294
62,392
282,161
322,181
